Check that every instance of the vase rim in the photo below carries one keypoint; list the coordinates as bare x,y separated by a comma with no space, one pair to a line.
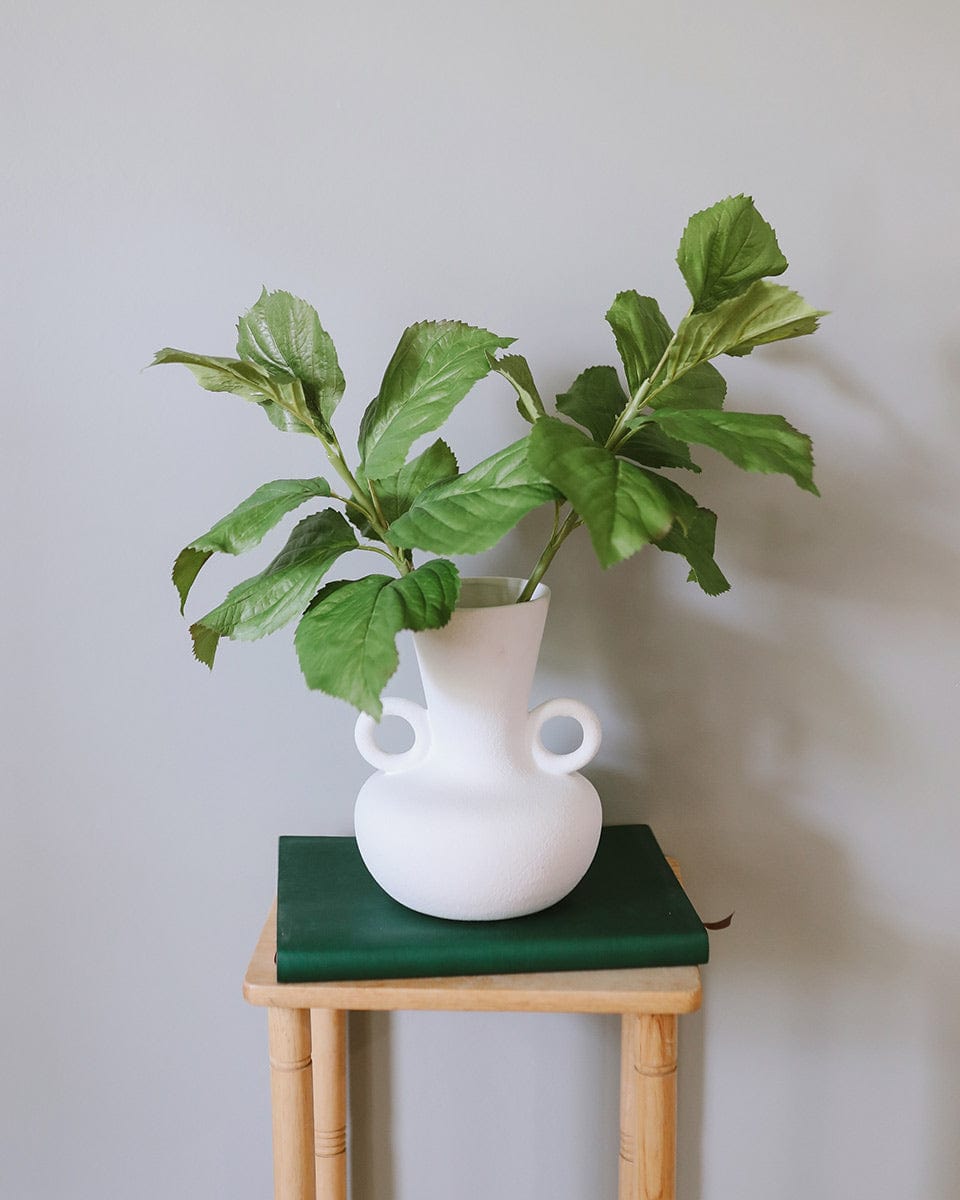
496,591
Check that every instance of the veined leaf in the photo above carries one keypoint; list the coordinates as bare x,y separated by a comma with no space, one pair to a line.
283,335
594,400
244,527
766,312
221,374
651,447
284,420
696,545
701,386
641,333
515,369
205,642
346,641
754,441
725,249
432,369
623,506
266,602
282,401
398,491
472,512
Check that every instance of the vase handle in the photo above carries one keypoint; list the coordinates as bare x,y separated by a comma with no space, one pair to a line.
564,764
416,717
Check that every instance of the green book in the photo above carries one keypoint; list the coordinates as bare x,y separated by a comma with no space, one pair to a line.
335,922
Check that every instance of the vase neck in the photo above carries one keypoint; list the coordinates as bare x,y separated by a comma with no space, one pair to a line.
478,671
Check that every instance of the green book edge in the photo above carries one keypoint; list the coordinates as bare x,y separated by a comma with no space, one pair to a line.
334,922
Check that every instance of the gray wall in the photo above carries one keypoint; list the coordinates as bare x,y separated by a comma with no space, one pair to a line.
794,742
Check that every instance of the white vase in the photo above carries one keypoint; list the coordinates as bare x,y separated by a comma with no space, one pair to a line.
478,821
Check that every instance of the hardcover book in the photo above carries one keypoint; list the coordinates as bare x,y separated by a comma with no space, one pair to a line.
335,922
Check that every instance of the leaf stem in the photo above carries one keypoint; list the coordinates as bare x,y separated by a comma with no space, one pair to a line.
639,399
617,436
376,550
365,504
376,503
557,539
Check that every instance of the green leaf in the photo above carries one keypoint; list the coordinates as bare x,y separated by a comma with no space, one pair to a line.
623,506
472,512
283,402
754,441
515,369
221,374
346,641
187,566
284,420
205,642
766,312
397,492
725,249
266,602
651,447
244,527
641,333
696,545
434,366
594,400
701,387
283,335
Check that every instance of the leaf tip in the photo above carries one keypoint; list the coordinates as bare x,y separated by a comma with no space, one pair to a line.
186,568
205,641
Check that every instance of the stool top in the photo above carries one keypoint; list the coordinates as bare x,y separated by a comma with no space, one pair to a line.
630,990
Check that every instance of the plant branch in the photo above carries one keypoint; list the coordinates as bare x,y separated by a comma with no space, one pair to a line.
365,504
376,550
557,539
617,436
642,395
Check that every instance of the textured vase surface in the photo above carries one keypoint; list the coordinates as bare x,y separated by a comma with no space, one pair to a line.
478,820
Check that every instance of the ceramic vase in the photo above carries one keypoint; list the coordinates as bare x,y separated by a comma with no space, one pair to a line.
478,820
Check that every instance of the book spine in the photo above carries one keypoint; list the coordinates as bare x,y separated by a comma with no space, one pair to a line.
300,967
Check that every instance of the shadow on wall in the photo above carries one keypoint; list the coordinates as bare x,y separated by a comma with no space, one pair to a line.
718,713
730,710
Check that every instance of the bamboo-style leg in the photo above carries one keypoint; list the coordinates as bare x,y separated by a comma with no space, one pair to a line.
654,1053
290,1093
628,1110
329,1035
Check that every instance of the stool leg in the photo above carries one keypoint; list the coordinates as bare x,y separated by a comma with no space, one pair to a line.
290,1093
329,1036
654,1101
628,1110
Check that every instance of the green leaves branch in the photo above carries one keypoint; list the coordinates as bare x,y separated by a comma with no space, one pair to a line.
286,364
675,398
598,461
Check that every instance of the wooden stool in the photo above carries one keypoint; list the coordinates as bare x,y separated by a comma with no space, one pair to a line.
308,1069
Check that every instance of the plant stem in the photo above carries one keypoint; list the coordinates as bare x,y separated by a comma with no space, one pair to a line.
549,551
637,401
365,504
617,436
377,550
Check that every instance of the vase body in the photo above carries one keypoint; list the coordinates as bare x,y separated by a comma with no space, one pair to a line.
478,820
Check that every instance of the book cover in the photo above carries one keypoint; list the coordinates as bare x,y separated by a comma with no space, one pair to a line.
335,922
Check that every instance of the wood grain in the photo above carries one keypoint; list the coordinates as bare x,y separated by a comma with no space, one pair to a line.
292,1106
328,1027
